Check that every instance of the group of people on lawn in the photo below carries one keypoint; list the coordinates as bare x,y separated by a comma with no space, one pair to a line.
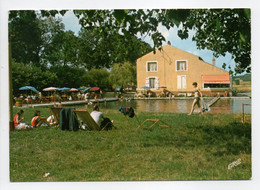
39,120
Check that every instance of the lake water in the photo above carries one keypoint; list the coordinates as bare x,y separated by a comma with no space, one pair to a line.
177,106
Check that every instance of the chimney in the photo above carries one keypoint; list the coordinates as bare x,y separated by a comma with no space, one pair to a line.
214,61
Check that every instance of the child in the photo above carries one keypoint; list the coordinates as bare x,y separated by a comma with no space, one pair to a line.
37,120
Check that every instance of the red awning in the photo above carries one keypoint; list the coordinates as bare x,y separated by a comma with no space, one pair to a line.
216,79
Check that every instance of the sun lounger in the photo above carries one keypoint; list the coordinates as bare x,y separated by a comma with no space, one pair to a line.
56,113
87,119
155,121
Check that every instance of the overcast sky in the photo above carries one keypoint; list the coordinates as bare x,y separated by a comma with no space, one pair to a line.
71,23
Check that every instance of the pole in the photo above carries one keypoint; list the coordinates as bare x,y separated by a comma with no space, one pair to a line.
11,123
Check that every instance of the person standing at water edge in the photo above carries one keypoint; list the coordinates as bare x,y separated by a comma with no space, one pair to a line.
198,96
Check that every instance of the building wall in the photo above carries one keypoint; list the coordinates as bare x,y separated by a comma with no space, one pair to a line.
167,73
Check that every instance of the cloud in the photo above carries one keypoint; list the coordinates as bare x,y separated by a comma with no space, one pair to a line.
71,22
163,31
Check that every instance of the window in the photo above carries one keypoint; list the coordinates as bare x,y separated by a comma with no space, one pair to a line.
216,85
181,65
152,82
152,66
181,81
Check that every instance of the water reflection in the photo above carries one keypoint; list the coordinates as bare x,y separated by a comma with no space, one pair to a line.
231,106
178,106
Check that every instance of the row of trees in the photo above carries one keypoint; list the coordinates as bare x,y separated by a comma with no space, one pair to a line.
65,76
44,54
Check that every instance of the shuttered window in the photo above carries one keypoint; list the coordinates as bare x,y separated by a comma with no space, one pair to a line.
181,81
152,82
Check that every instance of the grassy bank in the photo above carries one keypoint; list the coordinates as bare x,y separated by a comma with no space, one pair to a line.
244,86
192,148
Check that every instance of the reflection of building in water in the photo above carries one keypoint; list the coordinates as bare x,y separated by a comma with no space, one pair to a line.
182,106
176,106
231,106
222,106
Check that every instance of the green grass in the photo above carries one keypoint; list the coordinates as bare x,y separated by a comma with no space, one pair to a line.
192,148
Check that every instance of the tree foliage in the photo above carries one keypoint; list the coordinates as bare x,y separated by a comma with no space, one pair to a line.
30,74
25,36
123,74
220,30
97,77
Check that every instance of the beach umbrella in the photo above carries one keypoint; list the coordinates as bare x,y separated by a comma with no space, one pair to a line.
63,89
94,89
29,88
50,89
81,88
145,87
73,90
85,90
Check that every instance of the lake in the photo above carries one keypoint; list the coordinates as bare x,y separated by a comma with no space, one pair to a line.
225,105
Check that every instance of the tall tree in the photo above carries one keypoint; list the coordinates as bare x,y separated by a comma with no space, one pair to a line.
98,50
29,74
123,74
96,77
25,36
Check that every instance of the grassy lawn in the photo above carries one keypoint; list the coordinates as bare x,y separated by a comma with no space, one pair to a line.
192,148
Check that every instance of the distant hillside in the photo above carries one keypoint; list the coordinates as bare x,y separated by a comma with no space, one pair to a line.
245,77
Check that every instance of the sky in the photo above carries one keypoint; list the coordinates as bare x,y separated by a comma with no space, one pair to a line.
71,23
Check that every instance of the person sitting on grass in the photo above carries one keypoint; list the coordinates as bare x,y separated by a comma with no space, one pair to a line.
38,120
51,120
100,119
17,121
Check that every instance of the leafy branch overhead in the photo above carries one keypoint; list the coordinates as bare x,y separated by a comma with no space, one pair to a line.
220,30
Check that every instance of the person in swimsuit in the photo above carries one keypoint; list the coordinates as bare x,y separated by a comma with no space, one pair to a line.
198,96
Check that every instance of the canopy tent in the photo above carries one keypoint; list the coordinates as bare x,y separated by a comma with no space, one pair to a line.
29,88
216,79
50,89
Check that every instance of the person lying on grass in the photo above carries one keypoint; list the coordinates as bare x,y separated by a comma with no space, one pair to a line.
38,120
17,121
100,119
